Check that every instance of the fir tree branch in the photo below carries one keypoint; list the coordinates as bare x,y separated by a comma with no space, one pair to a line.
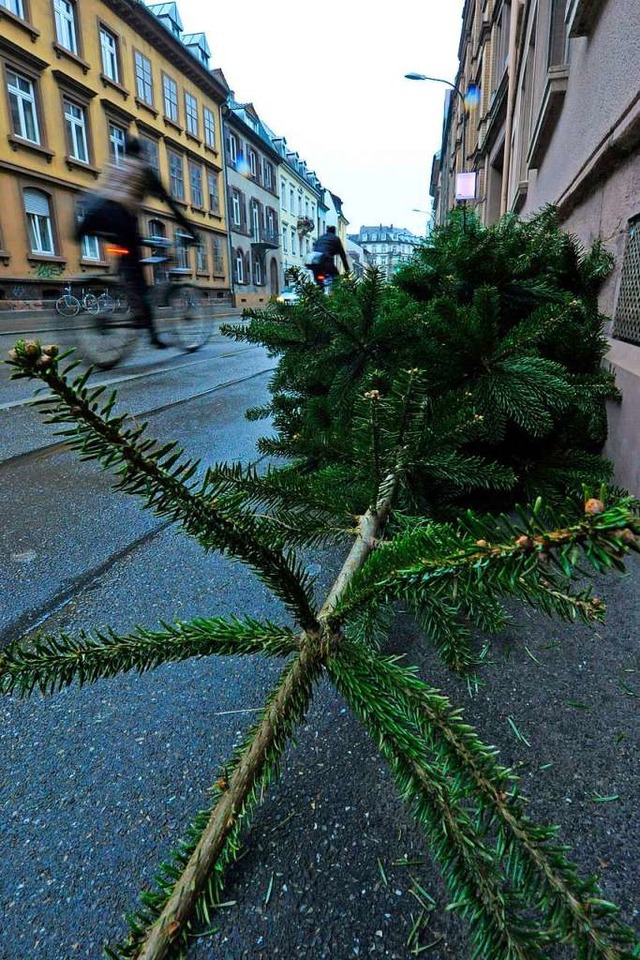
520,566
442,808
193,883
157,474
50,662
574,908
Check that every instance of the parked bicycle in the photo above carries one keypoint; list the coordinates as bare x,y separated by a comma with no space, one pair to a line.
181,309
68,305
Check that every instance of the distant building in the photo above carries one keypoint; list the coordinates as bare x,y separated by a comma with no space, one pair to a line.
386,247
356,256
253,205
302,209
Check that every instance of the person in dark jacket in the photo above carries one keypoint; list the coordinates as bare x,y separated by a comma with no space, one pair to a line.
114,213
330,246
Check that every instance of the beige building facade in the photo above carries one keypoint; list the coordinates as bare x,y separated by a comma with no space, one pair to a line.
557,120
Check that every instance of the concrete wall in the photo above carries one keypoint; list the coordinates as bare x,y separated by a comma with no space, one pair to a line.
591,170
604,82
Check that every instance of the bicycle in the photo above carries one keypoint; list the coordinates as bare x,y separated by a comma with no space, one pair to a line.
180,309
69,305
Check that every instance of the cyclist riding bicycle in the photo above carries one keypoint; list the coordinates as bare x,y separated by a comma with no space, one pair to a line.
114,213
324,268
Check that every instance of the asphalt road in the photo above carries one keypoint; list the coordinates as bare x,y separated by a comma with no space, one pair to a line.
96,784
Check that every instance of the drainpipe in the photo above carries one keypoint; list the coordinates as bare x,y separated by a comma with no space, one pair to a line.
517,8
225,111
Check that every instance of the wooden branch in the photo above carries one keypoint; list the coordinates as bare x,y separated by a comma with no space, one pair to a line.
181,904
315,647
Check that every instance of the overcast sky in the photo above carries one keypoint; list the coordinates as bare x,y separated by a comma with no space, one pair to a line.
330,78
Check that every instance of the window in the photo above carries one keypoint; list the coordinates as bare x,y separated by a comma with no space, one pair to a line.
150,148
65,17
501,46
202,258
257,272
285,240
14,6
144,78
109,50
557,34
176,175
214,196
209,127
292,200
22,103
157,229
293,241
255,221
36,207
268,175
76,128
195,182
191,113
239,267
271,225
218,262
181,255
170,88
90,246
283,194
253,163
300,203
235,208
116,142
233,147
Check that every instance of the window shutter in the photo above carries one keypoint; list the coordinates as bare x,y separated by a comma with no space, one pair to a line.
36,203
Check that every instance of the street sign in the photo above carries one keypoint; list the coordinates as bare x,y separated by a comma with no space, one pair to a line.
466,186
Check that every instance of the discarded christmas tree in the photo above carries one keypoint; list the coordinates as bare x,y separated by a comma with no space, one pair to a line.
385,431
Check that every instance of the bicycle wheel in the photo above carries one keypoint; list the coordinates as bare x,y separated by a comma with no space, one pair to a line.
188,321
67,306
90,303
106,303
107,338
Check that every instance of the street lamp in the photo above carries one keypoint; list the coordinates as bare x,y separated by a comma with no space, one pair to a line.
472,93
470,97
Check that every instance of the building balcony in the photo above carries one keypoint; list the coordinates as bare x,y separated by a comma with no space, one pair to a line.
305,225
265,239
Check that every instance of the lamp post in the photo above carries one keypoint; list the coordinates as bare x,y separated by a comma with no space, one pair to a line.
428,214
472,91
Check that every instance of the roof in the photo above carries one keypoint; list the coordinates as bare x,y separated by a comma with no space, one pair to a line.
196,40
166,10
387,234
247,114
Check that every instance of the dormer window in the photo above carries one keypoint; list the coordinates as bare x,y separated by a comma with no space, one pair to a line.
167,14
196,44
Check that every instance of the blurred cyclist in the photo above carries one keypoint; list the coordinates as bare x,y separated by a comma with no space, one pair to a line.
114,213
329,246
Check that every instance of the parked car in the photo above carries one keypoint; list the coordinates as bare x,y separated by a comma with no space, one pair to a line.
288,295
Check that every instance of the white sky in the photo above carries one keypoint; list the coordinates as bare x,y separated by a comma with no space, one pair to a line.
329,76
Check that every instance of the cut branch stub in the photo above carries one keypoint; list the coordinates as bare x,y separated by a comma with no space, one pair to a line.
315,648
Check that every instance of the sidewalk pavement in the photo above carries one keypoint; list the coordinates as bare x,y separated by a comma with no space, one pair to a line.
20,322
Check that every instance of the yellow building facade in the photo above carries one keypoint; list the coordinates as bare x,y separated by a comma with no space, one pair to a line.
76,78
